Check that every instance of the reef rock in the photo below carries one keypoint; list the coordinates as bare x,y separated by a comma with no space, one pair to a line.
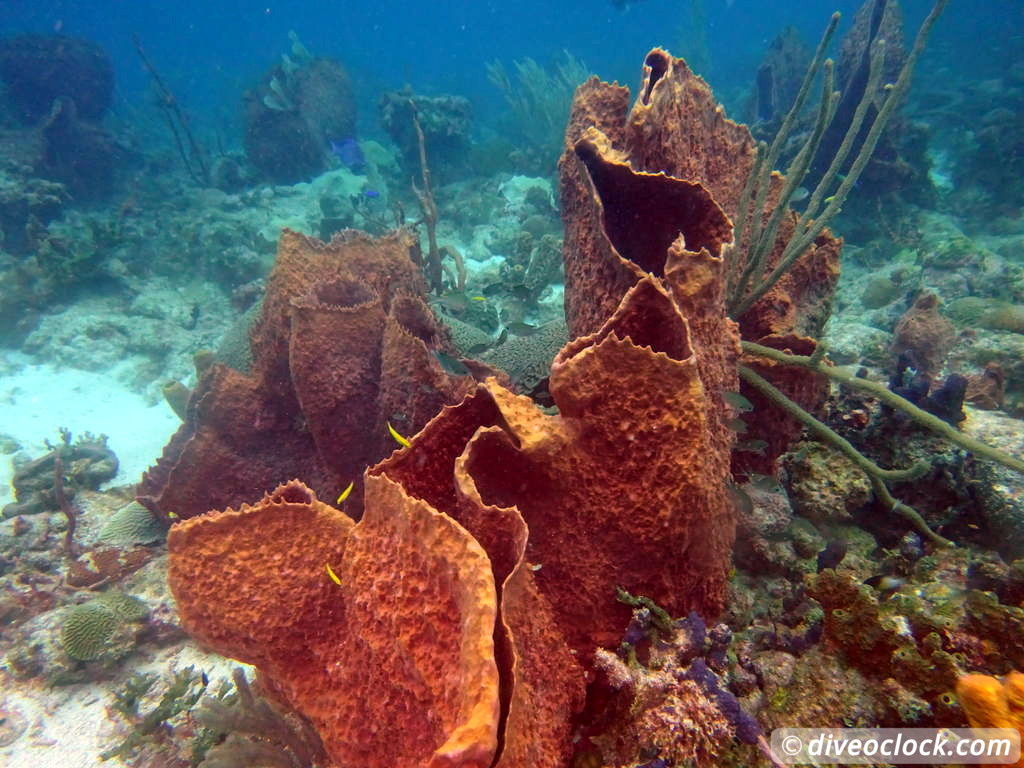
39,70
445,122
778,79
294,114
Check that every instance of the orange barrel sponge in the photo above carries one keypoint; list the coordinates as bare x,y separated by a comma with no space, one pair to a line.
642,184
342,342
991,703
381,633
623,488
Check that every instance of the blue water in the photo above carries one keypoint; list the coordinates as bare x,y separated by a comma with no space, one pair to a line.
209,52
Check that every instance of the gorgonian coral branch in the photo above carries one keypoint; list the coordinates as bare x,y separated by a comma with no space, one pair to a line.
817,364
876,474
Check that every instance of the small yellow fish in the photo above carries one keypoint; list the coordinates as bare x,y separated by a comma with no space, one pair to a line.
477,298
333,576
344,494
398,438
173,515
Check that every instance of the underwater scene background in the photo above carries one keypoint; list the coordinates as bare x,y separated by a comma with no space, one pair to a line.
420,384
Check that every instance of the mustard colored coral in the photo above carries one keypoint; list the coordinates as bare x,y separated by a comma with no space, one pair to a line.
993,703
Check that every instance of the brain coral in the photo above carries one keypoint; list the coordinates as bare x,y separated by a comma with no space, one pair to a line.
125,607
87,630
527,359
132,524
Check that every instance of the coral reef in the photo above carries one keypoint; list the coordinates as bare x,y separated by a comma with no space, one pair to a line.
822,485
460,603
923,636
37,71
770,539
87,464
149,732
299,107
504,527
875,20
27,204
534,262
445,122
643,434
978,312
250,729
539,100
672,707
57,90
78,153
896,175
778,81
988,167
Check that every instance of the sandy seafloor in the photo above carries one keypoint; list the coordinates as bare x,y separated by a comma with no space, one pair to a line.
68,726
37,400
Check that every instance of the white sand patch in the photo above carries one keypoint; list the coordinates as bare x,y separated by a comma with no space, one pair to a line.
64,726
70,726
36,400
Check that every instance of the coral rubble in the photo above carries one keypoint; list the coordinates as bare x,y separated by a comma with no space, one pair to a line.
86,463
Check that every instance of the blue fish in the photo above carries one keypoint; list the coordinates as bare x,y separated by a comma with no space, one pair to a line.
350,153
371,192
